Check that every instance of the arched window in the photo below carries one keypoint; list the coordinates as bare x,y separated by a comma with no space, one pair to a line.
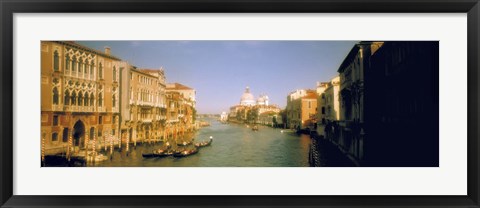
100,100
114,101
92,99
80,99
74,64
54,137
66,100
55,61
100,71
114,74
85,100
86,68
55,96
80,65
73,98
91,69
67,63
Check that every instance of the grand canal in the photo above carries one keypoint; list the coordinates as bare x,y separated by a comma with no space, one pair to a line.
234,145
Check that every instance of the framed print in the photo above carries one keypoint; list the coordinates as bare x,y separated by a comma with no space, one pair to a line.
246,104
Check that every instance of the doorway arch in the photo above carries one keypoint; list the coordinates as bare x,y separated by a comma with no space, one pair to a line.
79,134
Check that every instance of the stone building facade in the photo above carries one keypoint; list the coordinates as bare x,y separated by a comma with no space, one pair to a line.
80,97
147,106
302,109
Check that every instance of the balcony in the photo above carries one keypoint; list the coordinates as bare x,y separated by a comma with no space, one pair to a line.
172,120
57,108
141,103
75,108
101,109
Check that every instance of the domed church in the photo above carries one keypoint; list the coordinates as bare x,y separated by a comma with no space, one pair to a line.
247,98
261,107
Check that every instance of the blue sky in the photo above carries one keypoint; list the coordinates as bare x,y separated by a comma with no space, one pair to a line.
220,70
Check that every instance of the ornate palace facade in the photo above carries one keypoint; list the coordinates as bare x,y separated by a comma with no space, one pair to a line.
80,93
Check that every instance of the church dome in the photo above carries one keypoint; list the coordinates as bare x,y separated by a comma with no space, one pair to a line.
247,98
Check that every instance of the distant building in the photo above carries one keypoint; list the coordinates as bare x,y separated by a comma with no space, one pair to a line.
181,100
249,109
247,98
332,105
270,118
223,116
321,111
302,109
187,92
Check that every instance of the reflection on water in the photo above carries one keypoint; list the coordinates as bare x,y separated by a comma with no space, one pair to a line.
234,145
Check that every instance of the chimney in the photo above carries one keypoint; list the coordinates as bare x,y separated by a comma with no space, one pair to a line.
107,50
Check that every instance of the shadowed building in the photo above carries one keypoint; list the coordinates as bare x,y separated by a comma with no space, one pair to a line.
385,118
350,132
402,105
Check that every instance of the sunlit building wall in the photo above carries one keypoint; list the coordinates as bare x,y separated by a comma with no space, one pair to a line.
80,96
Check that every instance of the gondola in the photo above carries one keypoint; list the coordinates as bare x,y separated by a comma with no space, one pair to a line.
186,153
149,155
203,143
158,153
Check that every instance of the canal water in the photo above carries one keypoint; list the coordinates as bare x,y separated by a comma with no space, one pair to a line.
234,145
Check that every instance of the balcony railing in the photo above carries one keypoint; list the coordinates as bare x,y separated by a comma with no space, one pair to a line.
172,120
57,108
70,108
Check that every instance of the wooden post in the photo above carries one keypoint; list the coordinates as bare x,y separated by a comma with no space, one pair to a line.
135,138
86,146
105,141
43,148
111,144
119,138
128,142
94,150
69,148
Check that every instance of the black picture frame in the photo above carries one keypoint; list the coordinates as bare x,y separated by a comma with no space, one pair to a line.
10,7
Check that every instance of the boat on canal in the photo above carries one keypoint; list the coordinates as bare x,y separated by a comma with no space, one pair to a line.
185,143
159,153
203,143
255,128
186,153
